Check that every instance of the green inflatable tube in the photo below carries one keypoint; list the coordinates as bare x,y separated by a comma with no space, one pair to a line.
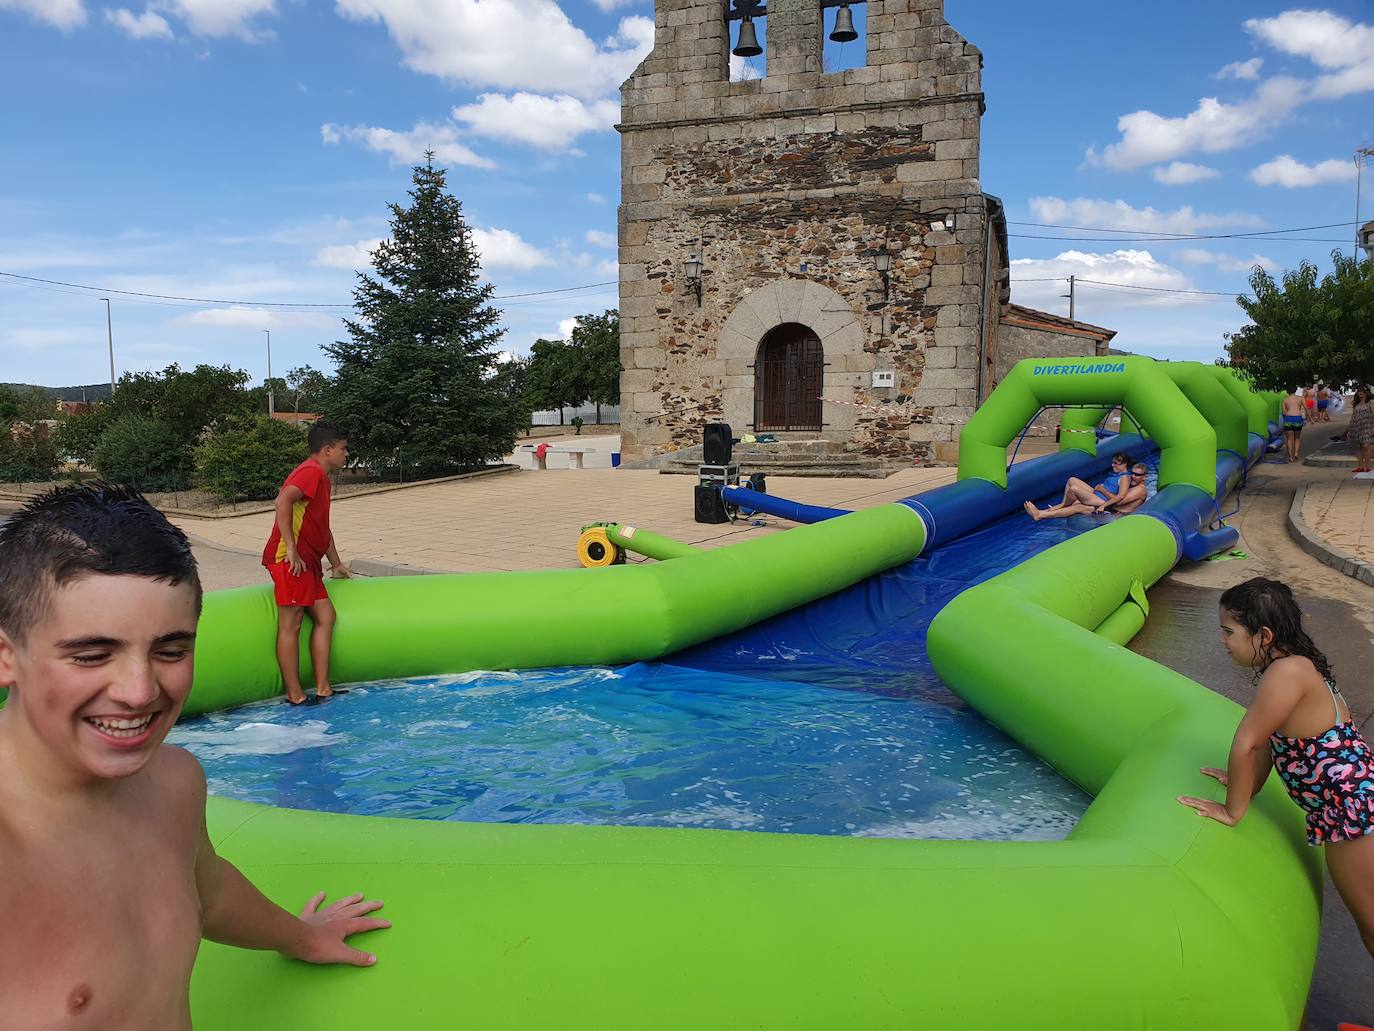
646,543
1078,427
394,627
1257,409
1242,903
1187,443
1228,417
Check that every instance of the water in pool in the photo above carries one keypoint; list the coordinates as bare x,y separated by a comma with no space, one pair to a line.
647,745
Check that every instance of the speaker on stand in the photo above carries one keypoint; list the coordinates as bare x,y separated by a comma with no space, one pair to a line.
716,444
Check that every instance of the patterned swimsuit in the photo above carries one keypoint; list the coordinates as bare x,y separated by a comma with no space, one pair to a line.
1331,776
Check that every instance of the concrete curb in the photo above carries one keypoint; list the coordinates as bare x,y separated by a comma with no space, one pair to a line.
1312,544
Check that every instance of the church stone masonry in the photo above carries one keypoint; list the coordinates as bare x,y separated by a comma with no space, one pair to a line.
785,189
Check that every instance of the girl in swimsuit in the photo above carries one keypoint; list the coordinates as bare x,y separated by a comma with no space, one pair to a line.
1300,726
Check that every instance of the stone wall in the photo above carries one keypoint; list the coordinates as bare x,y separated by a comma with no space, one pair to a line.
1016,342
784,187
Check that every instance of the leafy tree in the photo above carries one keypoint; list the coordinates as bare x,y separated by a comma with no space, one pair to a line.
78,435
417,379
188,402
308,389
554,378
250,457
596,338
144,453
1304,328
24,404
27,453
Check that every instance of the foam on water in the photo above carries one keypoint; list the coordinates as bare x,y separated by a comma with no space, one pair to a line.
647,744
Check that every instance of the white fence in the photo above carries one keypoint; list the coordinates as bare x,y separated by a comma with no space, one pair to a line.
610,414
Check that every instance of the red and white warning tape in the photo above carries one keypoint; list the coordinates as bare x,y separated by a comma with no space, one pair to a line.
889,408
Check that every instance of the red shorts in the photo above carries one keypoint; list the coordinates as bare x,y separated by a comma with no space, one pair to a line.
293,589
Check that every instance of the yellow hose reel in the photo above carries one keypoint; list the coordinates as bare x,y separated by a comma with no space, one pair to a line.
594,548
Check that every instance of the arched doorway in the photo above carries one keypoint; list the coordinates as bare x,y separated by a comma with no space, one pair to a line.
788,374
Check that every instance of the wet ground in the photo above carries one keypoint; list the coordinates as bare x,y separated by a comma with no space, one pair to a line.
1182,634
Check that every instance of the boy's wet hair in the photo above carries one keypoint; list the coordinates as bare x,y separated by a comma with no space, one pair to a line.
1262,602
67,533
323,433
1121,457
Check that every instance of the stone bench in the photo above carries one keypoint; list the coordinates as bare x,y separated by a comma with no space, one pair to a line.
541,461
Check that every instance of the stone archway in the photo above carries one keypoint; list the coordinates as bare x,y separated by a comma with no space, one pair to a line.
806,304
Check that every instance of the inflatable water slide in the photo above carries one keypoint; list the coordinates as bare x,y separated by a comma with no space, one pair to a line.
1144,916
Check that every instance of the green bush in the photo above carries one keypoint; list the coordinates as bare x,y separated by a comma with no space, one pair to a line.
143,453
78,435
249,458
27,453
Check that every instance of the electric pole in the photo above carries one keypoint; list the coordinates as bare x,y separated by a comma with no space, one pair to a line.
1069,295
271,401
1362,156
109,334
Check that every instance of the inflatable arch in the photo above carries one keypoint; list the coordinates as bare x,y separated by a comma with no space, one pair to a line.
1187,442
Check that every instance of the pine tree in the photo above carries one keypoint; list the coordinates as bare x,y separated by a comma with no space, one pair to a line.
418,385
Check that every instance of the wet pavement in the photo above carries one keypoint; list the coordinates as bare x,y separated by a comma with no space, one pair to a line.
1181,633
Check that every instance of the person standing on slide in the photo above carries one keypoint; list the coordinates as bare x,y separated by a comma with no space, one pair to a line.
300,538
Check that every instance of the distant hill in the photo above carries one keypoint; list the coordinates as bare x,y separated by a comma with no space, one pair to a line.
89,392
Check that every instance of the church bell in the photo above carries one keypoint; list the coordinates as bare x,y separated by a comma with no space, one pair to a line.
844,25
748,44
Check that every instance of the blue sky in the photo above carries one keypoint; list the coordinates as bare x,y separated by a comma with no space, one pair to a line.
245,150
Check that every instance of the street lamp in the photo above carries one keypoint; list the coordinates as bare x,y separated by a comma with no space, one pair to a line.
271,401
109,333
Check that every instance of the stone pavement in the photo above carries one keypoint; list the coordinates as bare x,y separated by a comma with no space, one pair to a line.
1333,520
531,519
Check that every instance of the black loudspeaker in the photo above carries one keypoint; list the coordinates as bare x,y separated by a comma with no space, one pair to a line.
710,507
715,444
758,482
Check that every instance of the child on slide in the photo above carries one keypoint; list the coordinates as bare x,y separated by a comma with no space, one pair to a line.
110,880
1300,726
1080,499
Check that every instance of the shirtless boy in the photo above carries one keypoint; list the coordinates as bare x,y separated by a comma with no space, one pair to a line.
1131,496
1293,420
108,879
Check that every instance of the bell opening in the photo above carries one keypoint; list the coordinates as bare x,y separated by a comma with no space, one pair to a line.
848,23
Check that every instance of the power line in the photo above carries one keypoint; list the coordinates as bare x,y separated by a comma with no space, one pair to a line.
1159,234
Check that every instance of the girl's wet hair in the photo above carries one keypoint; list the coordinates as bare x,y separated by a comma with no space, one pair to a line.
67,533
1260,603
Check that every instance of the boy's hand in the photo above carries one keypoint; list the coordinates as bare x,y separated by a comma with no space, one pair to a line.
294,561
327,929
340,570
1216,774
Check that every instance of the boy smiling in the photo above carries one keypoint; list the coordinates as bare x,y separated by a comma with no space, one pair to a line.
108,879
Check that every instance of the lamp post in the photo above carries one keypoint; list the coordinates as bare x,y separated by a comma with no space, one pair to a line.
271,401
1362,158
109,334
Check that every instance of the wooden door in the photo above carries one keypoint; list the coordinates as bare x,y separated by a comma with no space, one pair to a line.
788,378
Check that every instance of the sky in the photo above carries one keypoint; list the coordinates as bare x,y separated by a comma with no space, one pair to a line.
244,151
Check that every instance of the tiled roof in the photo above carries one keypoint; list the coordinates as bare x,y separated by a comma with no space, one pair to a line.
1019,315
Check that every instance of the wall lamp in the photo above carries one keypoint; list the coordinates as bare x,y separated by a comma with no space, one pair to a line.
882,261
691,268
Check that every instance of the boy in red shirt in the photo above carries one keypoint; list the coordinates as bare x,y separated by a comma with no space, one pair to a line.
299,539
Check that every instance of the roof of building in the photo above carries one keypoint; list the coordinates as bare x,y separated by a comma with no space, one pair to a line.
295,416
1031,318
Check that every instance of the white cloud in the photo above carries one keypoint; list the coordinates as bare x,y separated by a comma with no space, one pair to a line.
148,25
1285,170
61,14
595,198
550,123
507,44
501,248
1180,173
1344,48
608,268
408,148
1107,214
610,5
257,318
1212,127
565,328
220,19
597,238
1241,69
742,71
1122,269
346,255
1225,262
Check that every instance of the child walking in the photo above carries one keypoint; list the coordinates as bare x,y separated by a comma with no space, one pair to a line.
1300,726
300,538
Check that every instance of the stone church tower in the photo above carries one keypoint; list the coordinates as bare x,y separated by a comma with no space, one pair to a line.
808,254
